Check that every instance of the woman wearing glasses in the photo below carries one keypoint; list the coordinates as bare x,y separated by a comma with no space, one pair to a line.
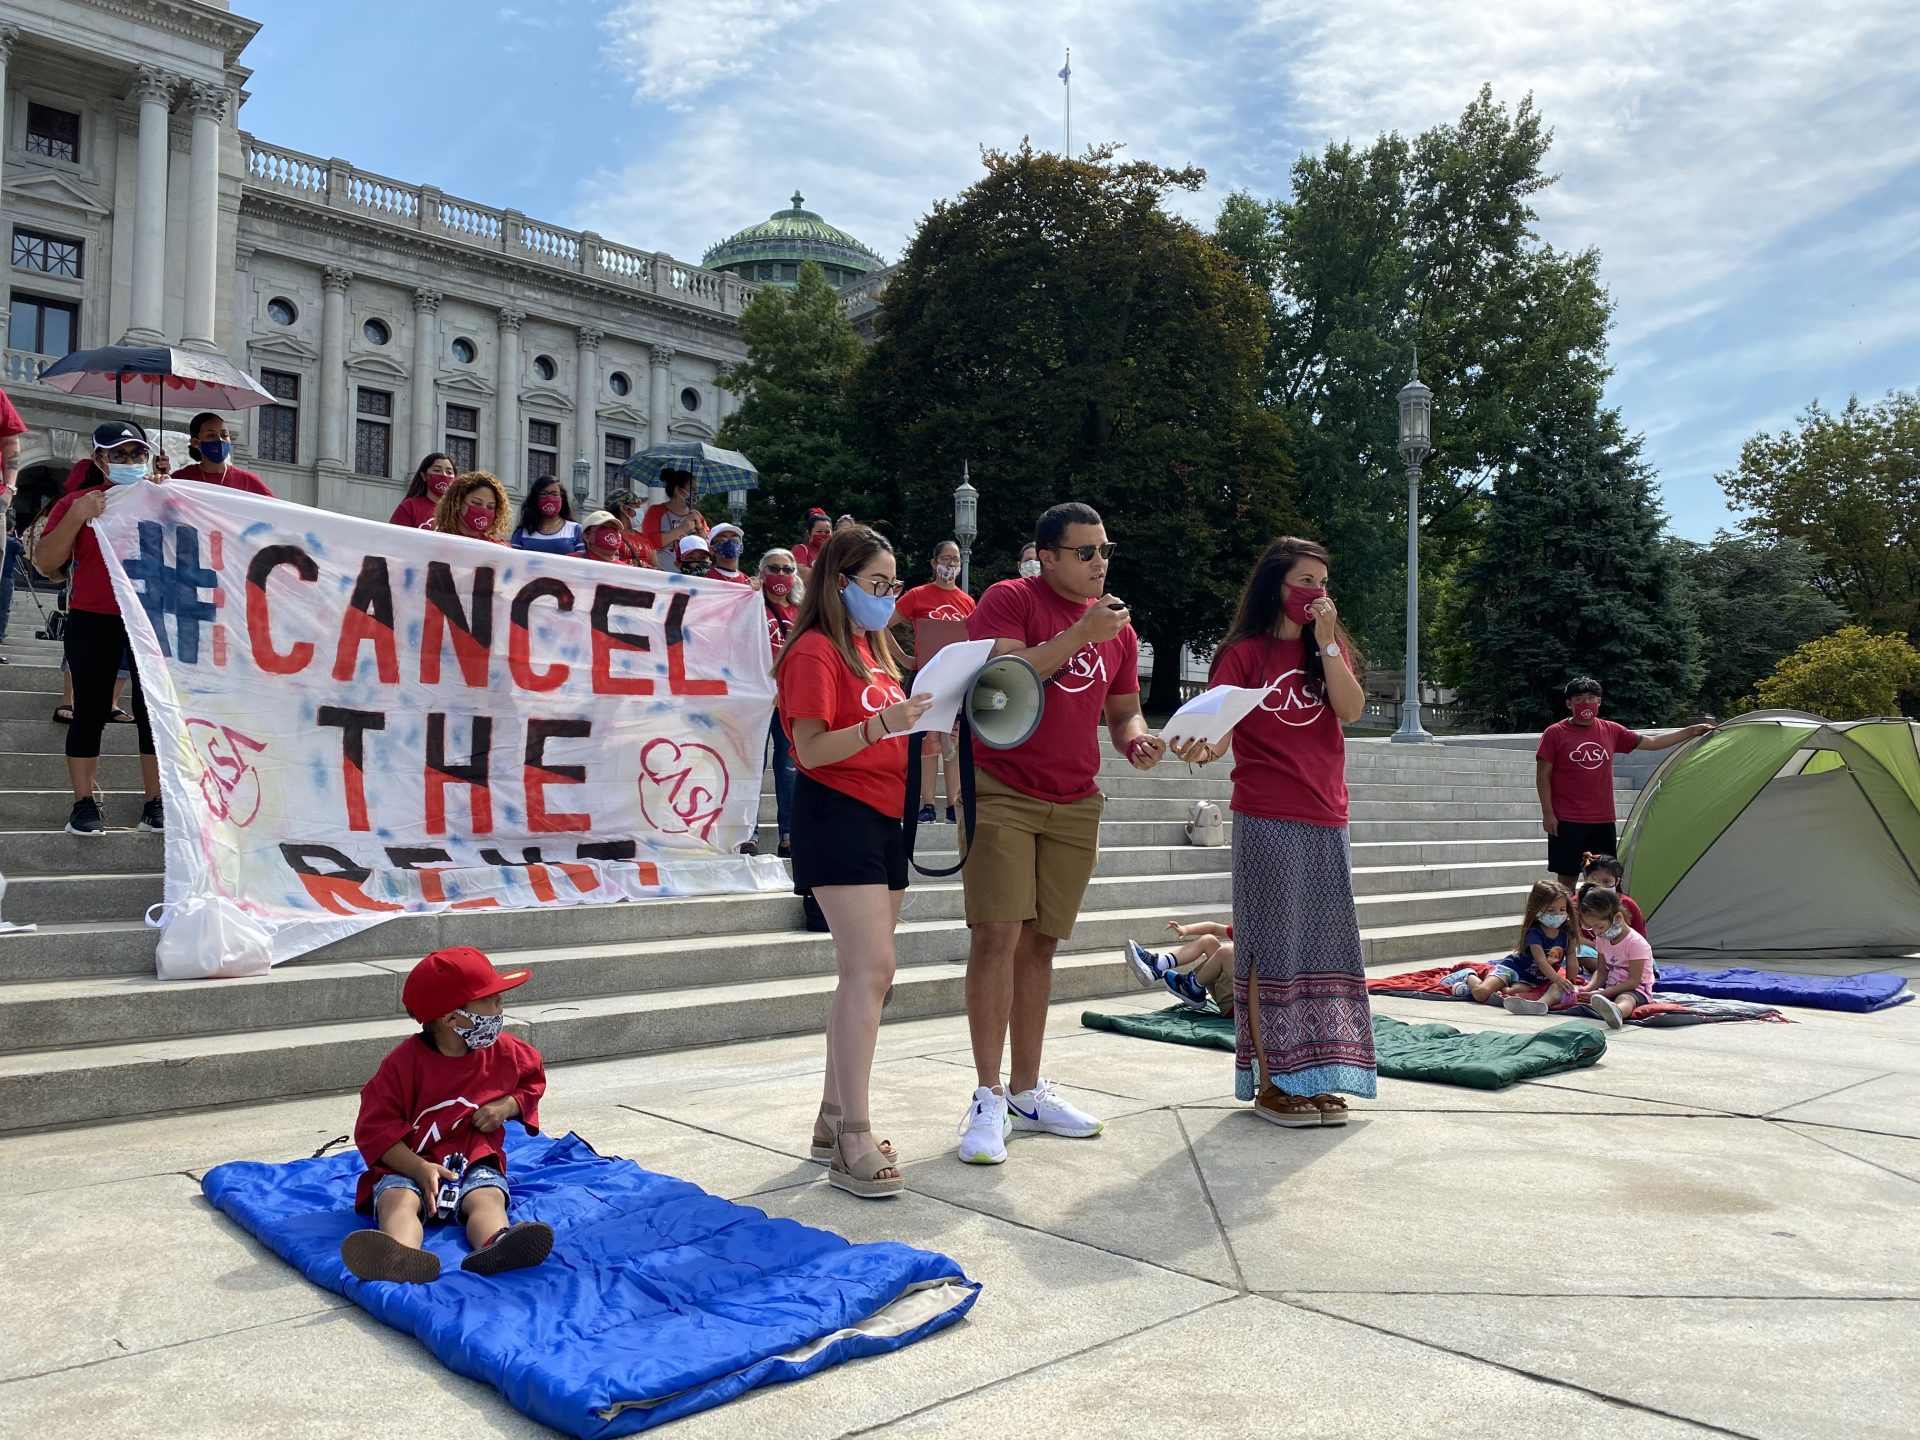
780,590
844,711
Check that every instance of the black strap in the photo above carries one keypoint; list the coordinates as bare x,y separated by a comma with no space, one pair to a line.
910,818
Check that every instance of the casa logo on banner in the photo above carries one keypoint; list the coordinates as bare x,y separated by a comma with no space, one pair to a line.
356,720
1293,700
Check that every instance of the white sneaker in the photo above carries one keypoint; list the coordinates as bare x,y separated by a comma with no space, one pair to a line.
1042,1109
984,1129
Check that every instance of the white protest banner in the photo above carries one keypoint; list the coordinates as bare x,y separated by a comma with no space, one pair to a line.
357,720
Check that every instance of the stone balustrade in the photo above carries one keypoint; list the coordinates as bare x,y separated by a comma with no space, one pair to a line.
422,209
23,367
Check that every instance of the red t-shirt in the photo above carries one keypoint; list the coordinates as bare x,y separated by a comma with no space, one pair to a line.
1289,753
415,512
805,551
780,620
732,577
88,587
931,602
1060,762
656,520
10,422
424,1099
815,684
234,479
1582,759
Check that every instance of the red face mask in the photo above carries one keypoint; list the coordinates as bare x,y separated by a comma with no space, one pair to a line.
1298,602
548,504
1585,709
437,484
606,538
778,586
479,519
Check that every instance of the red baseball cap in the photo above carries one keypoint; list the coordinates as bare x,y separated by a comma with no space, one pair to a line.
449,979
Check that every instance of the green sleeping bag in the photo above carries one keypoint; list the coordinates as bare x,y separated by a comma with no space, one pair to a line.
1477,1059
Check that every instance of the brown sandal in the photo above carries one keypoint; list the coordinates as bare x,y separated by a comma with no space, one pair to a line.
861,1178
822,1150
1293,1112
1333,1110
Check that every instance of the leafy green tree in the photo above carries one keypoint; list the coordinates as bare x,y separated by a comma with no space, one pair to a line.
1852,674
1426,245
1062,333
795,420
1755,601
1572,578
1848,485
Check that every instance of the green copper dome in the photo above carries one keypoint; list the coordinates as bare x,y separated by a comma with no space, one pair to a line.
770,253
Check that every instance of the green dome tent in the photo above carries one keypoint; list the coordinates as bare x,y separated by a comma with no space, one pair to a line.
1782,834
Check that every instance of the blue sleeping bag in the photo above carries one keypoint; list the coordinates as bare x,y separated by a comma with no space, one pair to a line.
1815,992
658,1300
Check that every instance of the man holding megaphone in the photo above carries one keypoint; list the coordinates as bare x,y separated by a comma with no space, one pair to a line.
1037,834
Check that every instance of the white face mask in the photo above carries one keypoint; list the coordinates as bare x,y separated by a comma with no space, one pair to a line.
945,573
1029,568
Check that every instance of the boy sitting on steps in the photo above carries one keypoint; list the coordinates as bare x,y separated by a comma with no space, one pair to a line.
439,1095
1199,970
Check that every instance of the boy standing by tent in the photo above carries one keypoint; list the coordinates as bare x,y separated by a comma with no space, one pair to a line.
1573,772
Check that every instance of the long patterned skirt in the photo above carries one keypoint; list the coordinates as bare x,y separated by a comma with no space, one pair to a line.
1296,937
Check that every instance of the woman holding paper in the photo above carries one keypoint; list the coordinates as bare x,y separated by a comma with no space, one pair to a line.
845,713
1301,1019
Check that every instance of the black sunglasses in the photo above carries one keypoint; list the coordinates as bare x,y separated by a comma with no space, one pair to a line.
778,569
1086,552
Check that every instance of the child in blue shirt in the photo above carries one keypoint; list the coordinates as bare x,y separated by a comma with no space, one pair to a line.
1539,959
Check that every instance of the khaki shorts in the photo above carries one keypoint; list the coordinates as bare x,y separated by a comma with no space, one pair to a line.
1031,859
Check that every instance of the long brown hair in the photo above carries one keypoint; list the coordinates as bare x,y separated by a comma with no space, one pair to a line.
821,608
446,511
1263,605
1543,894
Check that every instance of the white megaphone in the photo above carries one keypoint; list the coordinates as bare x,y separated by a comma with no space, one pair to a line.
1004,704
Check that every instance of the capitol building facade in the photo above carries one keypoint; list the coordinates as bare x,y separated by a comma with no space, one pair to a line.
387,319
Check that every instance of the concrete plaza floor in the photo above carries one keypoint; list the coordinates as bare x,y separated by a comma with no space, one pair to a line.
1715,1231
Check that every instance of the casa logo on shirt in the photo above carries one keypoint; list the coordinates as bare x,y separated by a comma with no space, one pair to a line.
1292,700
949,611
1086,669
1589,754
881,693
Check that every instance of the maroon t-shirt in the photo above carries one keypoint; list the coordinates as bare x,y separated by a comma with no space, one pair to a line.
1059,763
1582,760
1289,753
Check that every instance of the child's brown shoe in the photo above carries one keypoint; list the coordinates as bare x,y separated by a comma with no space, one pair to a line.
514,1248
375,1255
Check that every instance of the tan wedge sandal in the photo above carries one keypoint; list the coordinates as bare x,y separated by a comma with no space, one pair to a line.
859,1177
823,1153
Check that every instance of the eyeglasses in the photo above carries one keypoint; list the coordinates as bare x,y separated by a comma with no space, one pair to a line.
778,569
879,585
1085,553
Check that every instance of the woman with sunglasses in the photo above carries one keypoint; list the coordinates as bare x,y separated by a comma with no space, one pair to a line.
844,711
781,591
1301,1016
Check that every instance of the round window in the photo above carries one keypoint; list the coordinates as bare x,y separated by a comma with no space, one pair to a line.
690,399
619,383
282,311
544,367
464,352
376,332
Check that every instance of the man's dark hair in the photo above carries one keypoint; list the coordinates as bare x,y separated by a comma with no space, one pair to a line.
1582,685
1053,524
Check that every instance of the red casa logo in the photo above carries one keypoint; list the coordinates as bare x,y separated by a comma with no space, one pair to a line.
229,784
1086,669
1588,754
683,788
1292,701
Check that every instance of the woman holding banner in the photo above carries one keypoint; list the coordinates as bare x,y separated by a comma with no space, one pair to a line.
1301,1019
846,715
780,591
474,505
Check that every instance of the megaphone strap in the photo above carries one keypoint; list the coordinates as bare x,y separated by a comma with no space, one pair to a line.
910,815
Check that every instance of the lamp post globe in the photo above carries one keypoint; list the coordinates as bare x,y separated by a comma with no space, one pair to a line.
1416,443
966,523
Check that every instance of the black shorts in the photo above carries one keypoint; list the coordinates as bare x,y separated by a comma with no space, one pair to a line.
838,840
1567,851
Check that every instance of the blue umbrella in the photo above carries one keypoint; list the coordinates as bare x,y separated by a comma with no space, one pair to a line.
711,467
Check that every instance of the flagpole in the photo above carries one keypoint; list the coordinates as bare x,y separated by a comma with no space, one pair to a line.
1067,74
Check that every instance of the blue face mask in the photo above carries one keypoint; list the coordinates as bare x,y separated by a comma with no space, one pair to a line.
1552,922
215,452
126,474
868,610
727,549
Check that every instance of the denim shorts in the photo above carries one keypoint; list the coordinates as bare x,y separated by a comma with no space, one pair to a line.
478,1177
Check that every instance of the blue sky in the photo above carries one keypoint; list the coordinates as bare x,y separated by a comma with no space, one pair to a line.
1750,171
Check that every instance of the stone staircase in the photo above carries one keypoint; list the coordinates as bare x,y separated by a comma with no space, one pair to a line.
1445,841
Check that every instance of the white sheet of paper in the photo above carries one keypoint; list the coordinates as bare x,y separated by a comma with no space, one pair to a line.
1211,714
947,677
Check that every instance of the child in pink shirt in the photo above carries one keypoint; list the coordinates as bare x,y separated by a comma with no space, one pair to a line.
1623,975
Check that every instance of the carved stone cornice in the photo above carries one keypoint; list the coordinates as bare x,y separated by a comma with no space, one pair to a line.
336,277
152,85
426,300
184,17
8,34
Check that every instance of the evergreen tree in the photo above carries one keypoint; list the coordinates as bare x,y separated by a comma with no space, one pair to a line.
795,421
1756,602
1571,578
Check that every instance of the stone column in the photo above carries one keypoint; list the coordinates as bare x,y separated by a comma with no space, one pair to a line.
659,404
208,106
426,362
333,368
154,90
8,34
586,402
508,443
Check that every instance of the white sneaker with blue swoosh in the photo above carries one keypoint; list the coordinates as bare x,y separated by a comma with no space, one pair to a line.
1042,1109
983,1130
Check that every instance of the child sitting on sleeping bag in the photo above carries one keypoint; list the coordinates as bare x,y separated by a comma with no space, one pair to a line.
1608,873
1623,976
1540,957
446,1091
